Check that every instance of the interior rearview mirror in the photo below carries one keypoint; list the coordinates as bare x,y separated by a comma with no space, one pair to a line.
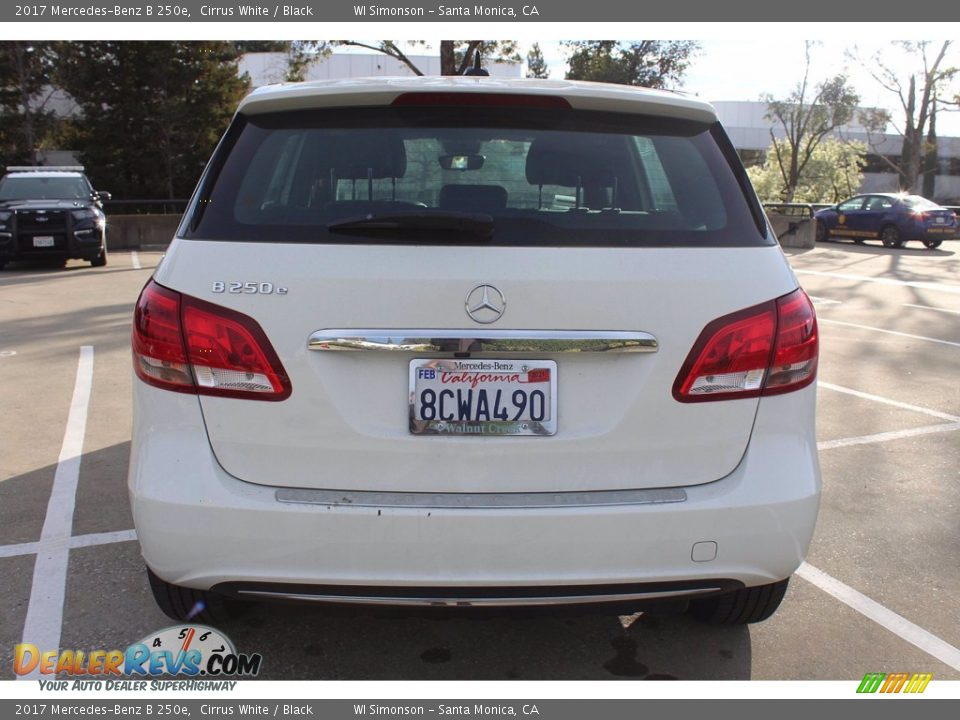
461,162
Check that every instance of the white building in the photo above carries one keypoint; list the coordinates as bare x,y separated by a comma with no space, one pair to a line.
749,131
271,67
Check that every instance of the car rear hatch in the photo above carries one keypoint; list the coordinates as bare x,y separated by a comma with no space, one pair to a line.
591,247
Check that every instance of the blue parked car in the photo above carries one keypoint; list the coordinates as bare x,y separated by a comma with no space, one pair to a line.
892,218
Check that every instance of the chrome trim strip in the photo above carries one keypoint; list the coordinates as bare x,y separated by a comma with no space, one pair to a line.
482,601
597,498
539,342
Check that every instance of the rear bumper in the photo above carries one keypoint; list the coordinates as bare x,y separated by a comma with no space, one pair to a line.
67,243
202,528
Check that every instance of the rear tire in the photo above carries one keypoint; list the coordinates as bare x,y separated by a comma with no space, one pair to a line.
740,607
890,236
188,604
932,244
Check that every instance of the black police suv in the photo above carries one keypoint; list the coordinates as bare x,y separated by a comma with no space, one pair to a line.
51,212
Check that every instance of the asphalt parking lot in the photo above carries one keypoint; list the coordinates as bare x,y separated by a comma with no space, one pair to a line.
879,592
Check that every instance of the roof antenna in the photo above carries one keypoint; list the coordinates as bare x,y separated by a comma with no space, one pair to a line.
476,69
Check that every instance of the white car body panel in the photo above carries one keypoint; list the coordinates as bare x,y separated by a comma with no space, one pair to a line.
345,424
199,526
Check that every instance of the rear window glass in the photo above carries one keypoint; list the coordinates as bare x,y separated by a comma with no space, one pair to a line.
544,177
917,202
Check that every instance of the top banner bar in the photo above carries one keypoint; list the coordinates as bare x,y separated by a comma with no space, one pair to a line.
528,11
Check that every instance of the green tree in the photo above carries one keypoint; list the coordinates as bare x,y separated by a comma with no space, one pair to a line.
804,119
455,55
536,65
253,46
833,172
26,123
647,63
152,112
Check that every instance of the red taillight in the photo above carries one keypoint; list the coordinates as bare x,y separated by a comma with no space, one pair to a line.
184,344
795,356
764,350
158,354
481,99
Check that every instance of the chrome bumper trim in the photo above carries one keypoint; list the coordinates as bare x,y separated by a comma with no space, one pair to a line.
539,342
599,498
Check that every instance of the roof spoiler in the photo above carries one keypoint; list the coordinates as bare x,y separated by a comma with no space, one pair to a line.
45,168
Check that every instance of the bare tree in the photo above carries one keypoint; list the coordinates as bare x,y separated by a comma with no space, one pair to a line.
808,115
917,93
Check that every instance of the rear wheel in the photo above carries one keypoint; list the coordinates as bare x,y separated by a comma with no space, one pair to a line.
932,244
890,236
182,603
740,607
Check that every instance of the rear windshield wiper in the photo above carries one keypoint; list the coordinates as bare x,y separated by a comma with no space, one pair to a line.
478,224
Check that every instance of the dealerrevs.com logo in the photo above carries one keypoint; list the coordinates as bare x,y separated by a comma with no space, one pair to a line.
181,650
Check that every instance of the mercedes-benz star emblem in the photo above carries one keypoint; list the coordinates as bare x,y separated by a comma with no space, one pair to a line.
485,304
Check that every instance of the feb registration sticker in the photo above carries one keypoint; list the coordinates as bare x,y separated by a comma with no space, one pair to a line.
483,397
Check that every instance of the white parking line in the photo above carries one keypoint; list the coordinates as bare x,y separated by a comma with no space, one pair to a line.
897,624
889,332
940,287
135,260
77,541
104,538
888,401
44,620
29,548
887,436
931,307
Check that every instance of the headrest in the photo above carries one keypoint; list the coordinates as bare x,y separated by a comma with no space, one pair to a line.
383,154
473,198
551,161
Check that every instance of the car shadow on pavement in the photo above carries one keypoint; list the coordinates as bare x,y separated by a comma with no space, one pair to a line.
300,642
23,274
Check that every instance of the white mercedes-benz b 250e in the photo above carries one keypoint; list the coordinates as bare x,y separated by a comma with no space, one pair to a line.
474,342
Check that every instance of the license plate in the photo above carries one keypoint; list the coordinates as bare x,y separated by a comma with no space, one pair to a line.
483,397
43,241
940,220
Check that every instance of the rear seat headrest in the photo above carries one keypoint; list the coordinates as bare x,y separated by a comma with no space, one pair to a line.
551,161
383,154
